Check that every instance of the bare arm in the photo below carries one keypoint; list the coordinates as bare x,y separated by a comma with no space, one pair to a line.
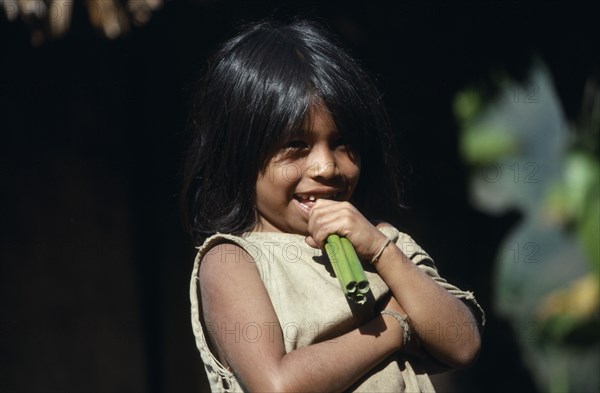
443,323
445,326
233,296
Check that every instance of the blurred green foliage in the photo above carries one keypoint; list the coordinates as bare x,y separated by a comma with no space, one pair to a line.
525,156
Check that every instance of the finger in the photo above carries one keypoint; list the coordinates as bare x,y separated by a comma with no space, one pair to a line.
322,232
311,242
322,223
326,220
328,209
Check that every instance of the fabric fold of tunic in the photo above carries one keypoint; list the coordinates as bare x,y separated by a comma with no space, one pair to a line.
310,305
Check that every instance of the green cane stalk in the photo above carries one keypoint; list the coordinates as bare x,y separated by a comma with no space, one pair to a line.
358,274
336,255
347,268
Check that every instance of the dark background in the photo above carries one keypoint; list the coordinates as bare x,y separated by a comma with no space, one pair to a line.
94,262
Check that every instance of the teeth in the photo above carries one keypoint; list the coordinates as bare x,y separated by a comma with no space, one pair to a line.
312,198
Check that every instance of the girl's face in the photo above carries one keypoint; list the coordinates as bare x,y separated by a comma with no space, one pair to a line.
314,164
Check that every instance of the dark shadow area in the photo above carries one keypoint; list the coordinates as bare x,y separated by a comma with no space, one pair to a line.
95,266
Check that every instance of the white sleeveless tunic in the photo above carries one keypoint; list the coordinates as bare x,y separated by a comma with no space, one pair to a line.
311,307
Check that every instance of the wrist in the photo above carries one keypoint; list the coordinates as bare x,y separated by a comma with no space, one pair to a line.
402,322
382,245
392,262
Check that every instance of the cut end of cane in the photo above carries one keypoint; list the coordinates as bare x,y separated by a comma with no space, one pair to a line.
358,298
351,287
362,287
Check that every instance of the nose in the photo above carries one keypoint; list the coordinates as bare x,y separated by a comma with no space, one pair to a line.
322,163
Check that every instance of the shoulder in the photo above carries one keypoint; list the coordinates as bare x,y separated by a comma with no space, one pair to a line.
386,228
224,252
405,243
223,262
222,248
391,231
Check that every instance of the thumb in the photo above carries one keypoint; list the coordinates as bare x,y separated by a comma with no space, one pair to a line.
311,242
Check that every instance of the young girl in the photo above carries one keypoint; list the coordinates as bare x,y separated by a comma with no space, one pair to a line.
291,145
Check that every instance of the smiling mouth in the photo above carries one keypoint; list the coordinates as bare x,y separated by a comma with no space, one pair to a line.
307,201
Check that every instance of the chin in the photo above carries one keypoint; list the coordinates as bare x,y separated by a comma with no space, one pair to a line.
300,228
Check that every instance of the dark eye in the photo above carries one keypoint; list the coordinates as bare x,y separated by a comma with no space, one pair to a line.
295,145
340,143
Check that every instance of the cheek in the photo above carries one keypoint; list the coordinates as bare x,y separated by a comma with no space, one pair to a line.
274,183
263,187
355,175
351,167
287,174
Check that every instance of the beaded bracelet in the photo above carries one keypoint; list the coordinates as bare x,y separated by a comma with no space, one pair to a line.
403,320
376,257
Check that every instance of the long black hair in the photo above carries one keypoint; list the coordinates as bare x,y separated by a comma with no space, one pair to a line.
257,90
